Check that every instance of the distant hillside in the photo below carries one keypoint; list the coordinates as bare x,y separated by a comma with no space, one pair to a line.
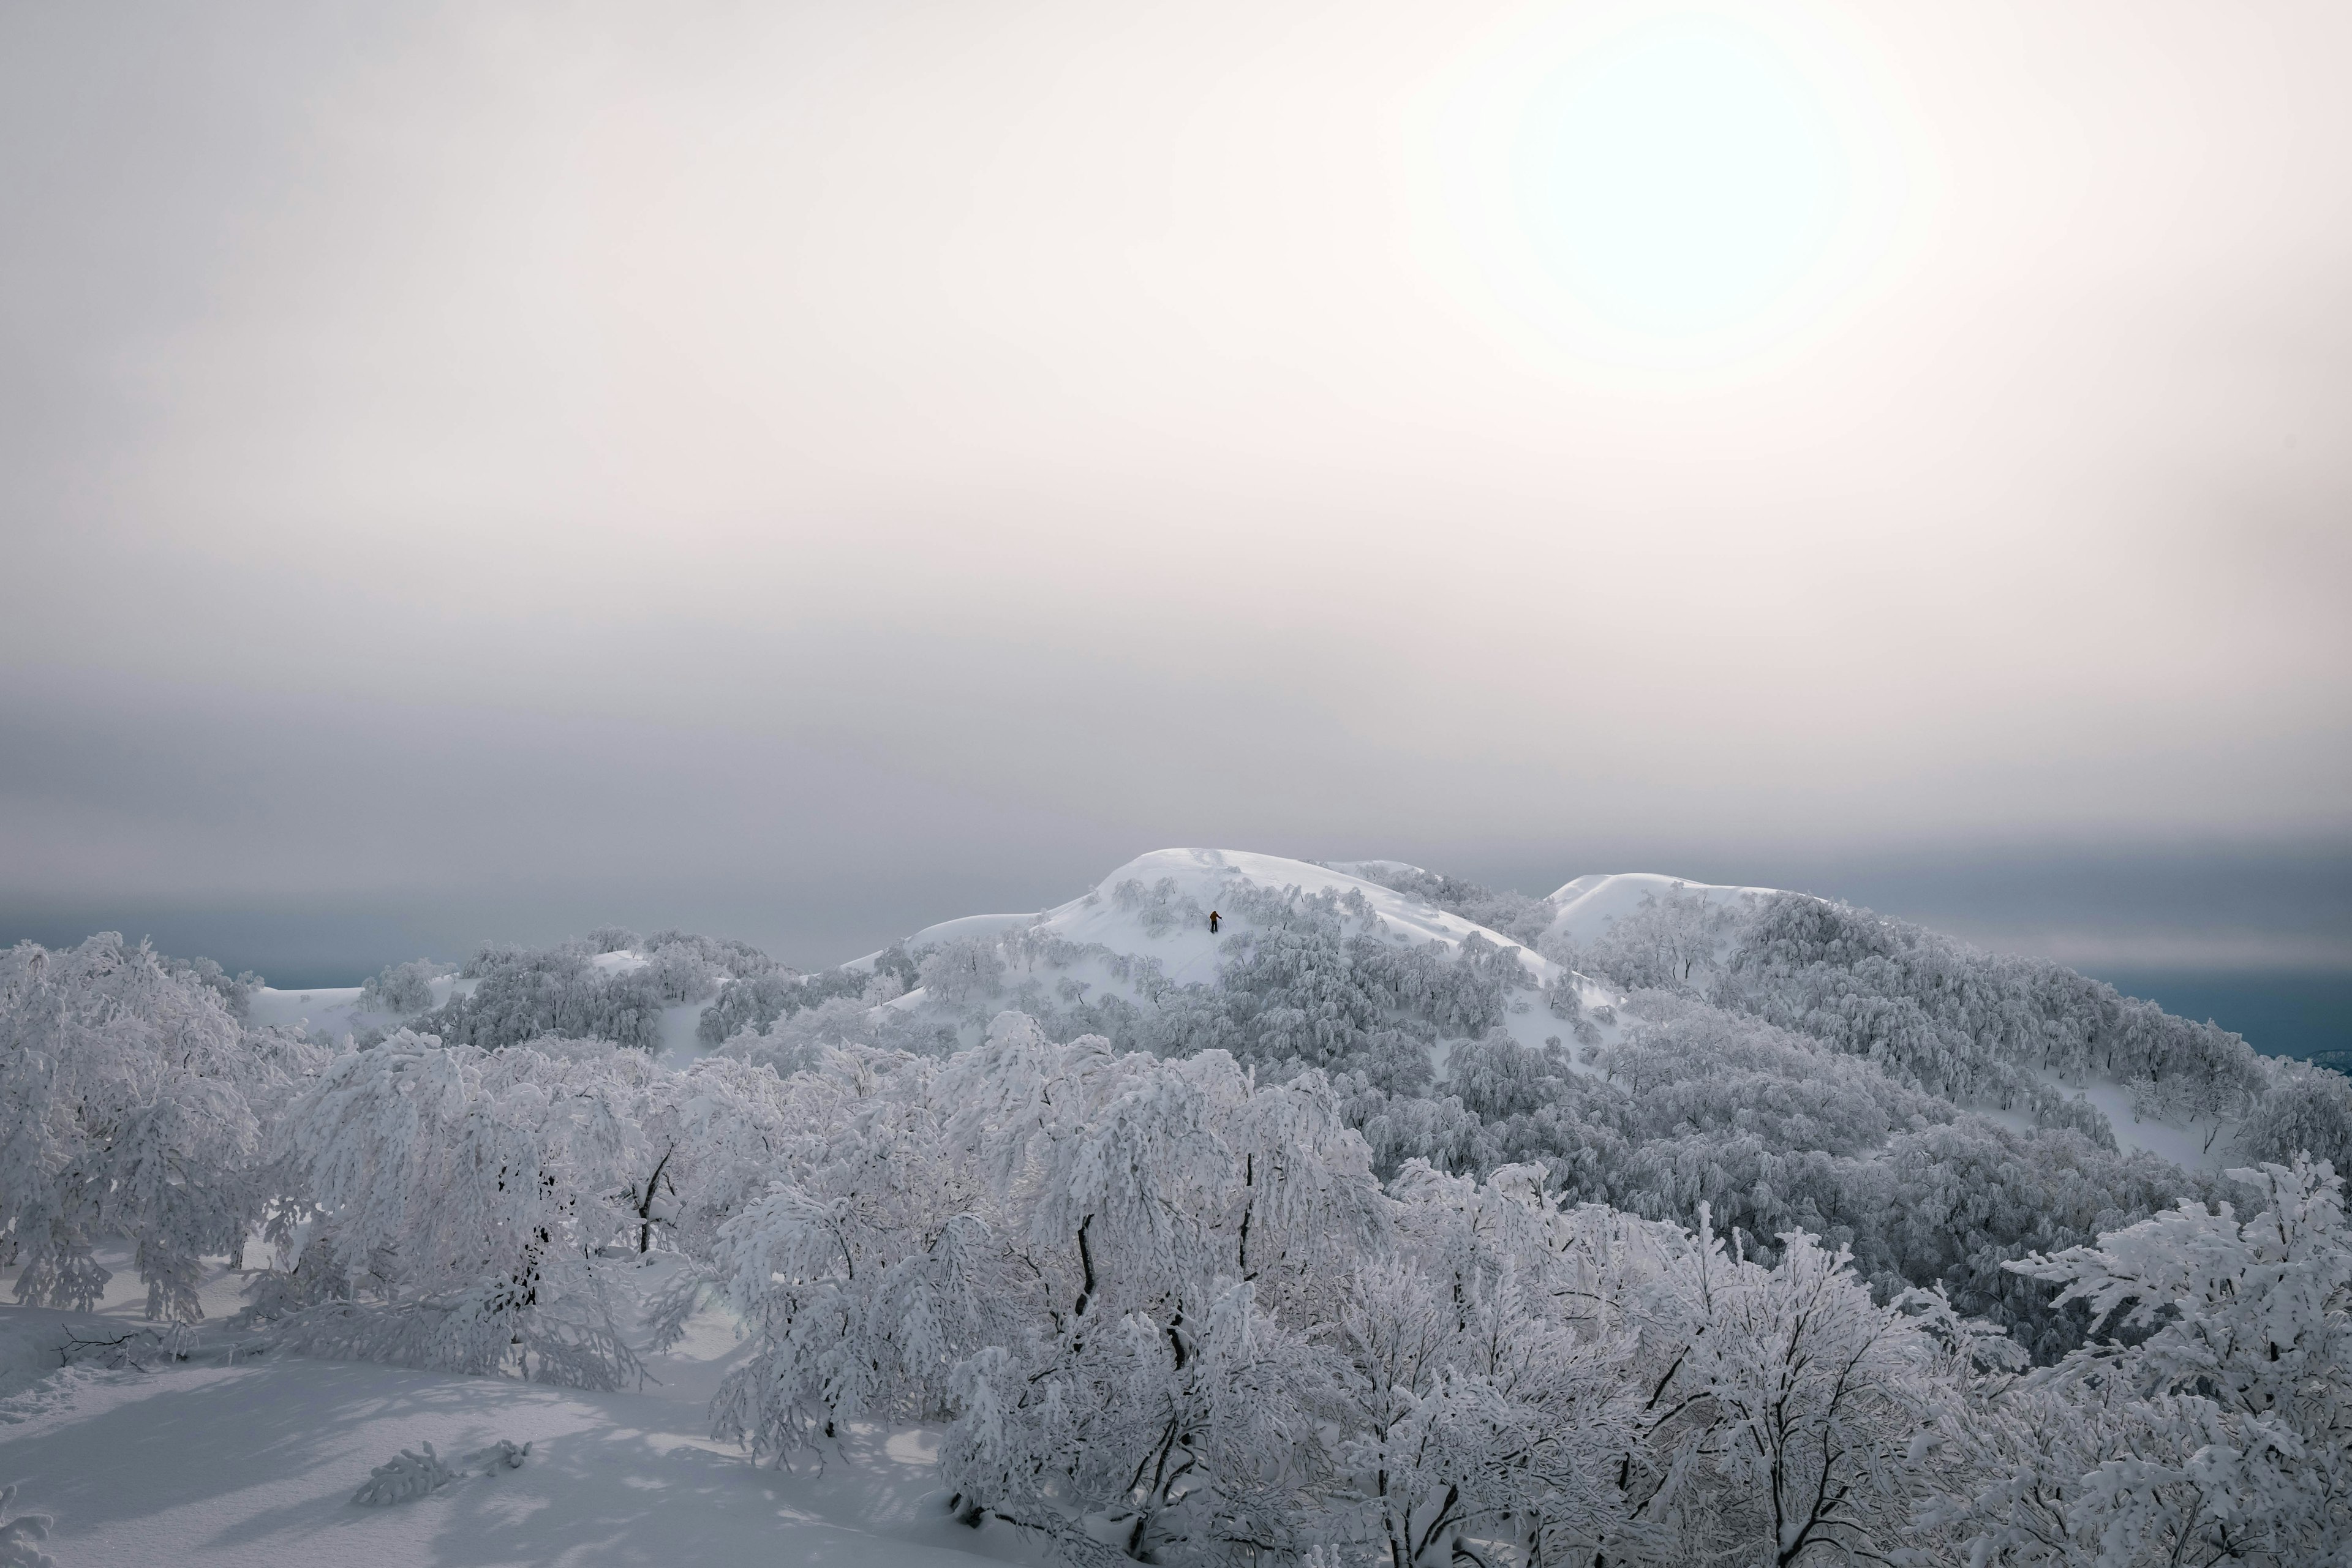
1790,1062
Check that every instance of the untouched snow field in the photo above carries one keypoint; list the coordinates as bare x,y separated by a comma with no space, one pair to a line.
254,1463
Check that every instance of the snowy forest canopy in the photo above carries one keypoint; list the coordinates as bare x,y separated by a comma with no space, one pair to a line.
1745,1229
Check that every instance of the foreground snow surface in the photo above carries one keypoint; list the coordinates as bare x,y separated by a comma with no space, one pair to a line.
255,1463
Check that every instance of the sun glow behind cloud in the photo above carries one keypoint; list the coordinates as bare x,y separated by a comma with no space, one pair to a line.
1666,189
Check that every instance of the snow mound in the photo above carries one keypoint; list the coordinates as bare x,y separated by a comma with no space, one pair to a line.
1587,907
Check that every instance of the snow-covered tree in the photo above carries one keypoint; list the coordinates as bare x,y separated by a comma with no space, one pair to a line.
1487,1408
526,995
402,989
2306,1110
131,1105
963,972
1070,1251
2217,1429
1794,1417
460,1198
799,1039
1674,942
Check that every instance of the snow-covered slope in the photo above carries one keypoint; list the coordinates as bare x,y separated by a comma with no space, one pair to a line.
1151,916
1587,907
1181,887
333,1010
249,1462
1209,878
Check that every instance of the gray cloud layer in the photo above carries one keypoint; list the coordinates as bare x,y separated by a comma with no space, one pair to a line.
878,458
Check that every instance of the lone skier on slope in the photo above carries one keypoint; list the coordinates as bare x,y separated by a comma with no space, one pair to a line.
1213,917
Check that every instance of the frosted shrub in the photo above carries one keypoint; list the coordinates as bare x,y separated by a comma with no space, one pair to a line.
406,1476
411,1473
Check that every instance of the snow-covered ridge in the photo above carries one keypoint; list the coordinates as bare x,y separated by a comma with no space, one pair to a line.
1587,907
1209,878
1174,881
1168,923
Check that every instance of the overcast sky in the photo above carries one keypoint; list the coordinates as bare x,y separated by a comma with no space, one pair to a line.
810,469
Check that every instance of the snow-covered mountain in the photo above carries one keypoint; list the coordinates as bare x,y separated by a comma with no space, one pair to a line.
1122,952
1145,928
1142,931
1156,906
